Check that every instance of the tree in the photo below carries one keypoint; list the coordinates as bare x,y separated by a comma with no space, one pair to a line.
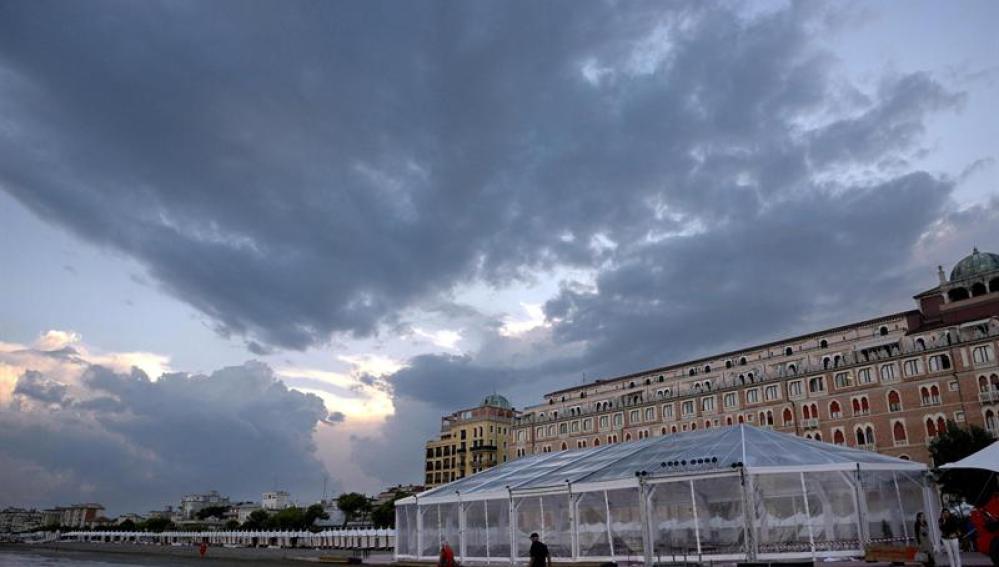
954,444
383,516
212,512
288,519
157,524
257,520
352,504
232,524
128,525
313,513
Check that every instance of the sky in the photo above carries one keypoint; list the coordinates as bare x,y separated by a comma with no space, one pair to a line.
256,245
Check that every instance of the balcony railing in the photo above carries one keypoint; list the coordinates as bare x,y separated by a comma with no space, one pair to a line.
868,447
810,423
988,396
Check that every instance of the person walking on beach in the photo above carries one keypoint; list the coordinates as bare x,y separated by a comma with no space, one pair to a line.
950,531
202,549
923,541
447,555
539,553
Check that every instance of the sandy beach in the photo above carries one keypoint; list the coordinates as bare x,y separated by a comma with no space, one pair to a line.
132,554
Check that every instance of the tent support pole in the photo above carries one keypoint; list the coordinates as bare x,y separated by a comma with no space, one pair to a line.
808,515
643,516
747,513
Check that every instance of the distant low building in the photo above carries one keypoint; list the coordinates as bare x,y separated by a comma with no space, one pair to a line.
81,515
17,520
275,500
134,518
390,494
166,513
191,504
244,509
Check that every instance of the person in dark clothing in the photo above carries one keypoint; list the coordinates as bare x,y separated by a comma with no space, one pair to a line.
539,553
950,532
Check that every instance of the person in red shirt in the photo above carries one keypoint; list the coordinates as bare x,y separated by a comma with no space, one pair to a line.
985,519
447,555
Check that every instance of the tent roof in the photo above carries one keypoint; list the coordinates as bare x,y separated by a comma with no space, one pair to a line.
986,459
720,448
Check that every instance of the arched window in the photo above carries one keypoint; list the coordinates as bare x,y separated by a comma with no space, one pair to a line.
770,417
728,420
818,436
838,438
707,368
627,436
957,294
865,406
869,434
728,364
815,411
693,426
792,369
823,344
648,382
691,372
662,378
994,284
995,381
990,420
978,289
672,429
931,427
883,330
941,425
707,423
664,431
983,384
788,351
788,416
920,344
825,363
742,419
806,412
894,401
898,433
596,441
860,436
742,361
834,410
564,446
935,394
856,406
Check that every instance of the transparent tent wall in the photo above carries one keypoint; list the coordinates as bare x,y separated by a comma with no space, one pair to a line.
474,534
528,513
405,539
780,515
884,512
832,508
431,532
592,525
547,515
625,522
498,527
692,517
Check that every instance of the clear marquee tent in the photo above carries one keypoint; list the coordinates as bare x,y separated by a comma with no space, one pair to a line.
726,494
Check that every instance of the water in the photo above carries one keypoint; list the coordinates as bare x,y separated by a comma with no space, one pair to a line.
31,560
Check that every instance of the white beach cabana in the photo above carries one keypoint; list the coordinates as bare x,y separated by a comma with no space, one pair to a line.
731,493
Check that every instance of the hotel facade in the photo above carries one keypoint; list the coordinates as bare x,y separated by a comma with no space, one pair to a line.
888,384
470,441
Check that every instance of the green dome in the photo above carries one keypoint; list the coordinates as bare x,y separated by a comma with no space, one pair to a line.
497,401
976,264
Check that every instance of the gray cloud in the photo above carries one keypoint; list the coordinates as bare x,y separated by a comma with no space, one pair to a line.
298,171
36,386
138,443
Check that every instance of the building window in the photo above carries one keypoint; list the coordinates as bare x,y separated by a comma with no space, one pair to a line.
730,400
898,434
835,412
708,404
912,367
861,406
823,344
604,422
939,362
952,385
752,396
588,424
817,384
788,417
838,437
619,420
794,389
634,416
842,380
887,373
982,354
771,393
742,361
687,409
788,351
894,401
668,411
563,429
650,414
864,376
551,430
575,427
929,395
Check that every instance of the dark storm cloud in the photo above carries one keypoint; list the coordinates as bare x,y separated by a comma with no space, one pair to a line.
36,386
294,170
138,443
300,169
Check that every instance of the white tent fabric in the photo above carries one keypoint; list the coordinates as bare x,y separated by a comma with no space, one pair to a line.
729,493
986,459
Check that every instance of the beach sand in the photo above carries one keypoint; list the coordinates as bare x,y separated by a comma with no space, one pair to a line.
161,555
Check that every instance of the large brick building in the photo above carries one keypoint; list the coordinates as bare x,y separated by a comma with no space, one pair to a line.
887,384
470,441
